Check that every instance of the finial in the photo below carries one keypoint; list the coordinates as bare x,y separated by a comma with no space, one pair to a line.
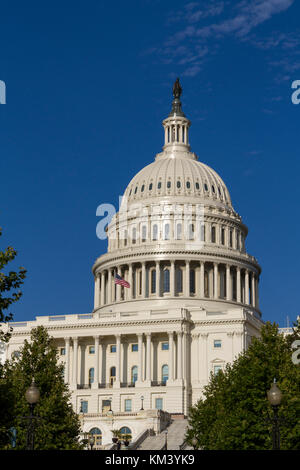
176,104
177,90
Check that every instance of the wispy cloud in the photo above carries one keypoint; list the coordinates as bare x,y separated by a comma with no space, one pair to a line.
197,30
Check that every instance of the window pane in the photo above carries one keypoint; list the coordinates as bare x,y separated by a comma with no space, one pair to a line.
159,403
179,280
217,343
134,374
178,231
128,405
167,231
84,406
134,347
153,281
165,346
91,376
166,280
192,281
113,348
217,369
165,373
92,350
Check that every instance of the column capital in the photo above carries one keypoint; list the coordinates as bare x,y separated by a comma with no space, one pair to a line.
67,338
148,335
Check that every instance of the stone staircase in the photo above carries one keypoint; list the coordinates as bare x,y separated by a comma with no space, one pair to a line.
175,437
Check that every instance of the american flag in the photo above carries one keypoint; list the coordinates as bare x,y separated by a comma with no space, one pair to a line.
121,281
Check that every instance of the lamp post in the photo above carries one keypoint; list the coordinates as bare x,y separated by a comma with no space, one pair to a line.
274,397
166,439
194,442
142,400
91,441
32,396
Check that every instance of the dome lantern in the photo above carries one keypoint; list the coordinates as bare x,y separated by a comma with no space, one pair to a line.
176,125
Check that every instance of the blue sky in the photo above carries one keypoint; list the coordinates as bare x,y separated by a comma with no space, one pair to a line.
88,84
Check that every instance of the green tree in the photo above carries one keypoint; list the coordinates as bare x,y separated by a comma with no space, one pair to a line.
8,282
9,293
234,410
59,426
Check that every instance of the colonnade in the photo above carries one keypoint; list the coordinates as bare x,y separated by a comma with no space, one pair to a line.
147,360
177,278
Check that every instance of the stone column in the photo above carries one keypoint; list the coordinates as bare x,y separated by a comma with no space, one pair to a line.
96,375
228,283
179,356
187,278
171,353
130,280
238,284
118,366
157,287
140,363
67,365
97,292
184,356
75,362
102,288
256,292
172,279
216,280
109,287
202,279
253,288
148,357
247,287
143,279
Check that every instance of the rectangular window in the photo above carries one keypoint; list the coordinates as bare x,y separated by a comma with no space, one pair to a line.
113,348
134,347
159,403
165,346
83,406
217,369
217,343
128,405
91,349
62,351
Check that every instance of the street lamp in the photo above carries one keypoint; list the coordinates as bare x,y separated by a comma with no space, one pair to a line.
194,442
32,396
166,439
274,397
91,441
142,399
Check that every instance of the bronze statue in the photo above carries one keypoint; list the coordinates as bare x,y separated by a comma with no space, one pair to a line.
177,90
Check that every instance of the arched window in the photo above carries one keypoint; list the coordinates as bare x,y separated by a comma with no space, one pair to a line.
197,186
178,231
191,231
178,184
153,281
213,234
164,373
134,374
166,280
155,232
167,232
188,184
144,233
206,284
169,184
112,375
192,281
125,432
97,435
222,236
134,236
178,280
159,185
230,238
91,375
203,233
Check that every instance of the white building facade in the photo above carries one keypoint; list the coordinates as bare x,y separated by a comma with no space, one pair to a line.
192,305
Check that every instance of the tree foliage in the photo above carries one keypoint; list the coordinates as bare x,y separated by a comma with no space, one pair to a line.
234,411
58,426
9,282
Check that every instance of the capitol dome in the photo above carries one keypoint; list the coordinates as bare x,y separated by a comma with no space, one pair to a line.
176,238
177,177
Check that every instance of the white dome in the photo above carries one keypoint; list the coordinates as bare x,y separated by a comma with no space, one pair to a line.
181,176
